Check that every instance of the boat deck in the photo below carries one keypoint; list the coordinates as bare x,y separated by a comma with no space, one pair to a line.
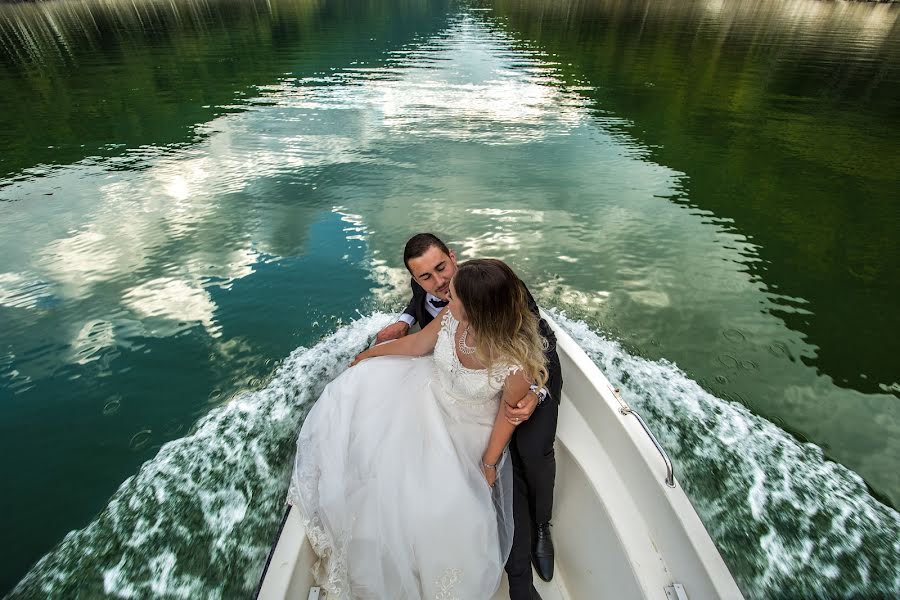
555,590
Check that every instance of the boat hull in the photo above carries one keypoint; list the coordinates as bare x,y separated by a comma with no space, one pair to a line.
620,531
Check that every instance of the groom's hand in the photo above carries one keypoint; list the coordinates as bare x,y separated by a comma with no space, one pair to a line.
521,411
392,332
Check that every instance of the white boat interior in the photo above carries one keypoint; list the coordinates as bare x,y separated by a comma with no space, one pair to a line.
620,530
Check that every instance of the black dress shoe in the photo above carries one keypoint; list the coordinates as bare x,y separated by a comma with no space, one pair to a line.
542,555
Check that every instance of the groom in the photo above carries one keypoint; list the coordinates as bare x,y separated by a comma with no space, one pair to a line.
432,266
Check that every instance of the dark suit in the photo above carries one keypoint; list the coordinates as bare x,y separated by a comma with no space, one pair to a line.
531,451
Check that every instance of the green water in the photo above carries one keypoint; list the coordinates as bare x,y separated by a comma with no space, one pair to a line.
189,191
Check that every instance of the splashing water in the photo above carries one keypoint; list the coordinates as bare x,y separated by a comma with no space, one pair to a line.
788,522
197,520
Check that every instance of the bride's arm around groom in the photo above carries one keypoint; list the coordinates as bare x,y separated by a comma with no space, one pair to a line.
417,344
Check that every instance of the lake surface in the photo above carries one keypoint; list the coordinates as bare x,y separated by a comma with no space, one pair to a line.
202,213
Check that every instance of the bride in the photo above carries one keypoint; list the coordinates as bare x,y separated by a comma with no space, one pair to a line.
400,475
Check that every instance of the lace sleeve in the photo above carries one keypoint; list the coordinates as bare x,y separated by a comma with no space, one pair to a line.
500,372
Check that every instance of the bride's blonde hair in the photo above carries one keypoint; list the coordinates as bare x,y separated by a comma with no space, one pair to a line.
496,303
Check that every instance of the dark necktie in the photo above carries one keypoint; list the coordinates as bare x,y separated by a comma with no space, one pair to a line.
438,303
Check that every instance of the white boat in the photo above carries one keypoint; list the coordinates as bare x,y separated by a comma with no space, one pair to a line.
623,527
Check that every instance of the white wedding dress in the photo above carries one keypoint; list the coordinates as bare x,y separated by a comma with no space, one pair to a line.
388,480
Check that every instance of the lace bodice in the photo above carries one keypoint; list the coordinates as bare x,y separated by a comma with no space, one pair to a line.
475,390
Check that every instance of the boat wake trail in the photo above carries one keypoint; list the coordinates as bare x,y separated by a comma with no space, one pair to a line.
198,519
788,522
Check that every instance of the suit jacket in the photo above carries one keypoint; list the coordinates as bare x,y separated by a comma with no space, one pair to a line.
416,308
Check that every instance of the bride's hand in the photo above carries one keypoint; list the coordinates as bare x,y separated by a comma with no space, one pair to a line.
360,357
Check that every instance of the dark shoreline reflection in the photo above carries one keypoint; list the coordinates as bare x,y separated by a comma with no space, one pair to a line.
784,116
102,78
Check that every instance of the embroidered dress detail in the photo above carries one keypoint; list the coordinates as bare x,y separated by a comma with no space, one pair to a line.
446,583
475,389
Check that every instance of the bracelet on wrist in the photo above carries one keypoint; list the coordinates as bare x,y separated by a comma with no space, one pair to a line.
487,466
541,393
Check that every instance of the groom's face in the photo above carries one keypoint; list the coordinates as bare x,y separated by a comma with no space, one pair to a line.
434,270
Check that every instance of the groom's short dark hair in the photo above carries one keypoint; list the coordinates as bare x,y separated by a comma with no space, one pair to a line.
419,245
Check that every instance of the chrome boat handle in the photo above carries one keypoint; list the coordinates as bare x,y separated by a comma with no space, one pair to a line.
627,410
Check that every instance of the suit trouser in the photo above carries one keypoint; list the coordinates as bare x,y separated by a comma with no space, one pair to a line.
534,474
